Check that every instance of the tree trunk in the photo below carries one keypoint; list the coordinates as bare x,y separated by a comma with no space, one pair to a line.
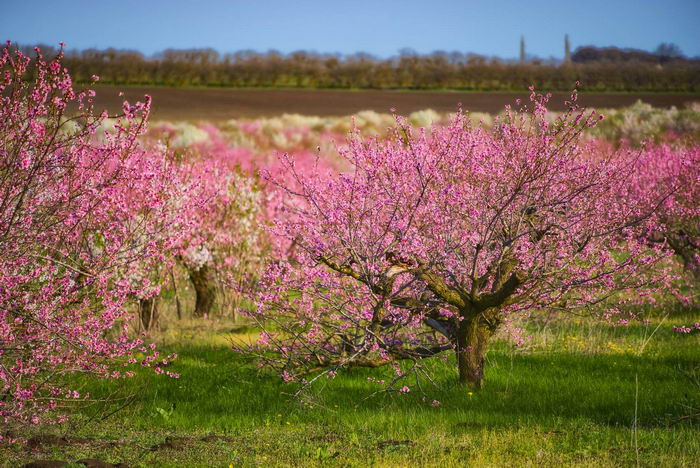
148,312
473,339
684,247
687,251
178,307
204,288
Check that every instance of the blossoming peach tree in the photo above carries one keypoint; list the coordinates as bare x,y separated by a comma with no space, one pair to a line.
82,220
435,241
662,167
679,215
226,245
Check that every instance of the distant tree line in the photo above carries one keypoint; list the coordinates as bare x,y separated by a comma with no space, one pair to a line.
664,53
598,69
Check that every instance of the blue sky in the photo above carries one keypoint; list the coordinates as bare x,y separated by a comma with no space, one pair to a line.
379,27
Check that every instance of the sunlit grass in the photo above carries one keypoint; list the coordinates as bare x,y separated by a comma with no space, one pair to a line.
567,397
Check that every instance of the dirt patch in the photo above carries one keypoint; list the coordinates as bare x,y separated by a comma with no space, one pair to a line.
39,441
88,462
224,104
45,464
97,463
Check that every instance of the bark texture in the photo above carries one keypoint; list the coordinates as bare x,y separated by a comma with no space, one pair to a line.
204,288
473,337
148,312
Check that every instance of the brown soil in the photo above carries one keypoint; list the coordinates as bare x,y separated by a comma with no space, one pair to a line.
97,463
87,462
46,464
41,441
224,104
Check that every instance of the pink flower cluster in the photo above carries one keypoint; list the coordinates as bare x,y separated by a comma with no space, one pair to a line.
435,240
687,329
668,178
93,211
83,220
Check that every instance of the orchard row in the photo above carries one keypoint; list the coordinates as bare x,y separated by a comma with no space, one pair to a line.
376,243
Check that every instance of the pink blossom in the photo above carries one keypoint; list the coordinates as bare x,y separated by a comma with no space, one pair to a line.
490,225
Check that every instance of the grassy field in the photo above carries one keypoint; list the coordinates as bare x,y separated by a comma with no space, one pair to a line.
581,394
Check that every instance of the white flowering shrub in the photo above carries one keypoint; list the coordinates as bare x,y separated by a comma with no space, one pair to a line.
424,118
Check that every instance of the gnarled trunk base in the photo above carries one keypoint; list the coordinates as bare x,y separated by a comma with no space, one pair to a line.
473,339
204,288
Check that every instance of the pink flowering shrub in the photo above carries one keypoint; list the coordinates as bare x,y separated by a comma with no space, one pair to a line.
228,171
435,240
224,249
82,221
226,242
674,174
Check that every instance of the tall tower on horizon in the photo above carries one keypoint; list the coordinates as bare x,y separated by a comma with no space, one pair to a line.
522,49
567,49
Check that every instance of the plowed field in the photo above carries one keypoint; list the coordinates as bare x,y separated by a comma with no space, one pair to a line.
223,104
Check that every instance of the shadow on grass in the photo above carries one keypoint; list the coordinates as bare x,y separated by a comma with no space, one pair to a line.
222,391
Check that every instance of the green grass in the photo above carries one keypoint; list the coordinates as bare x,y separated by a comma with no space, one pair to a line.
569,399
